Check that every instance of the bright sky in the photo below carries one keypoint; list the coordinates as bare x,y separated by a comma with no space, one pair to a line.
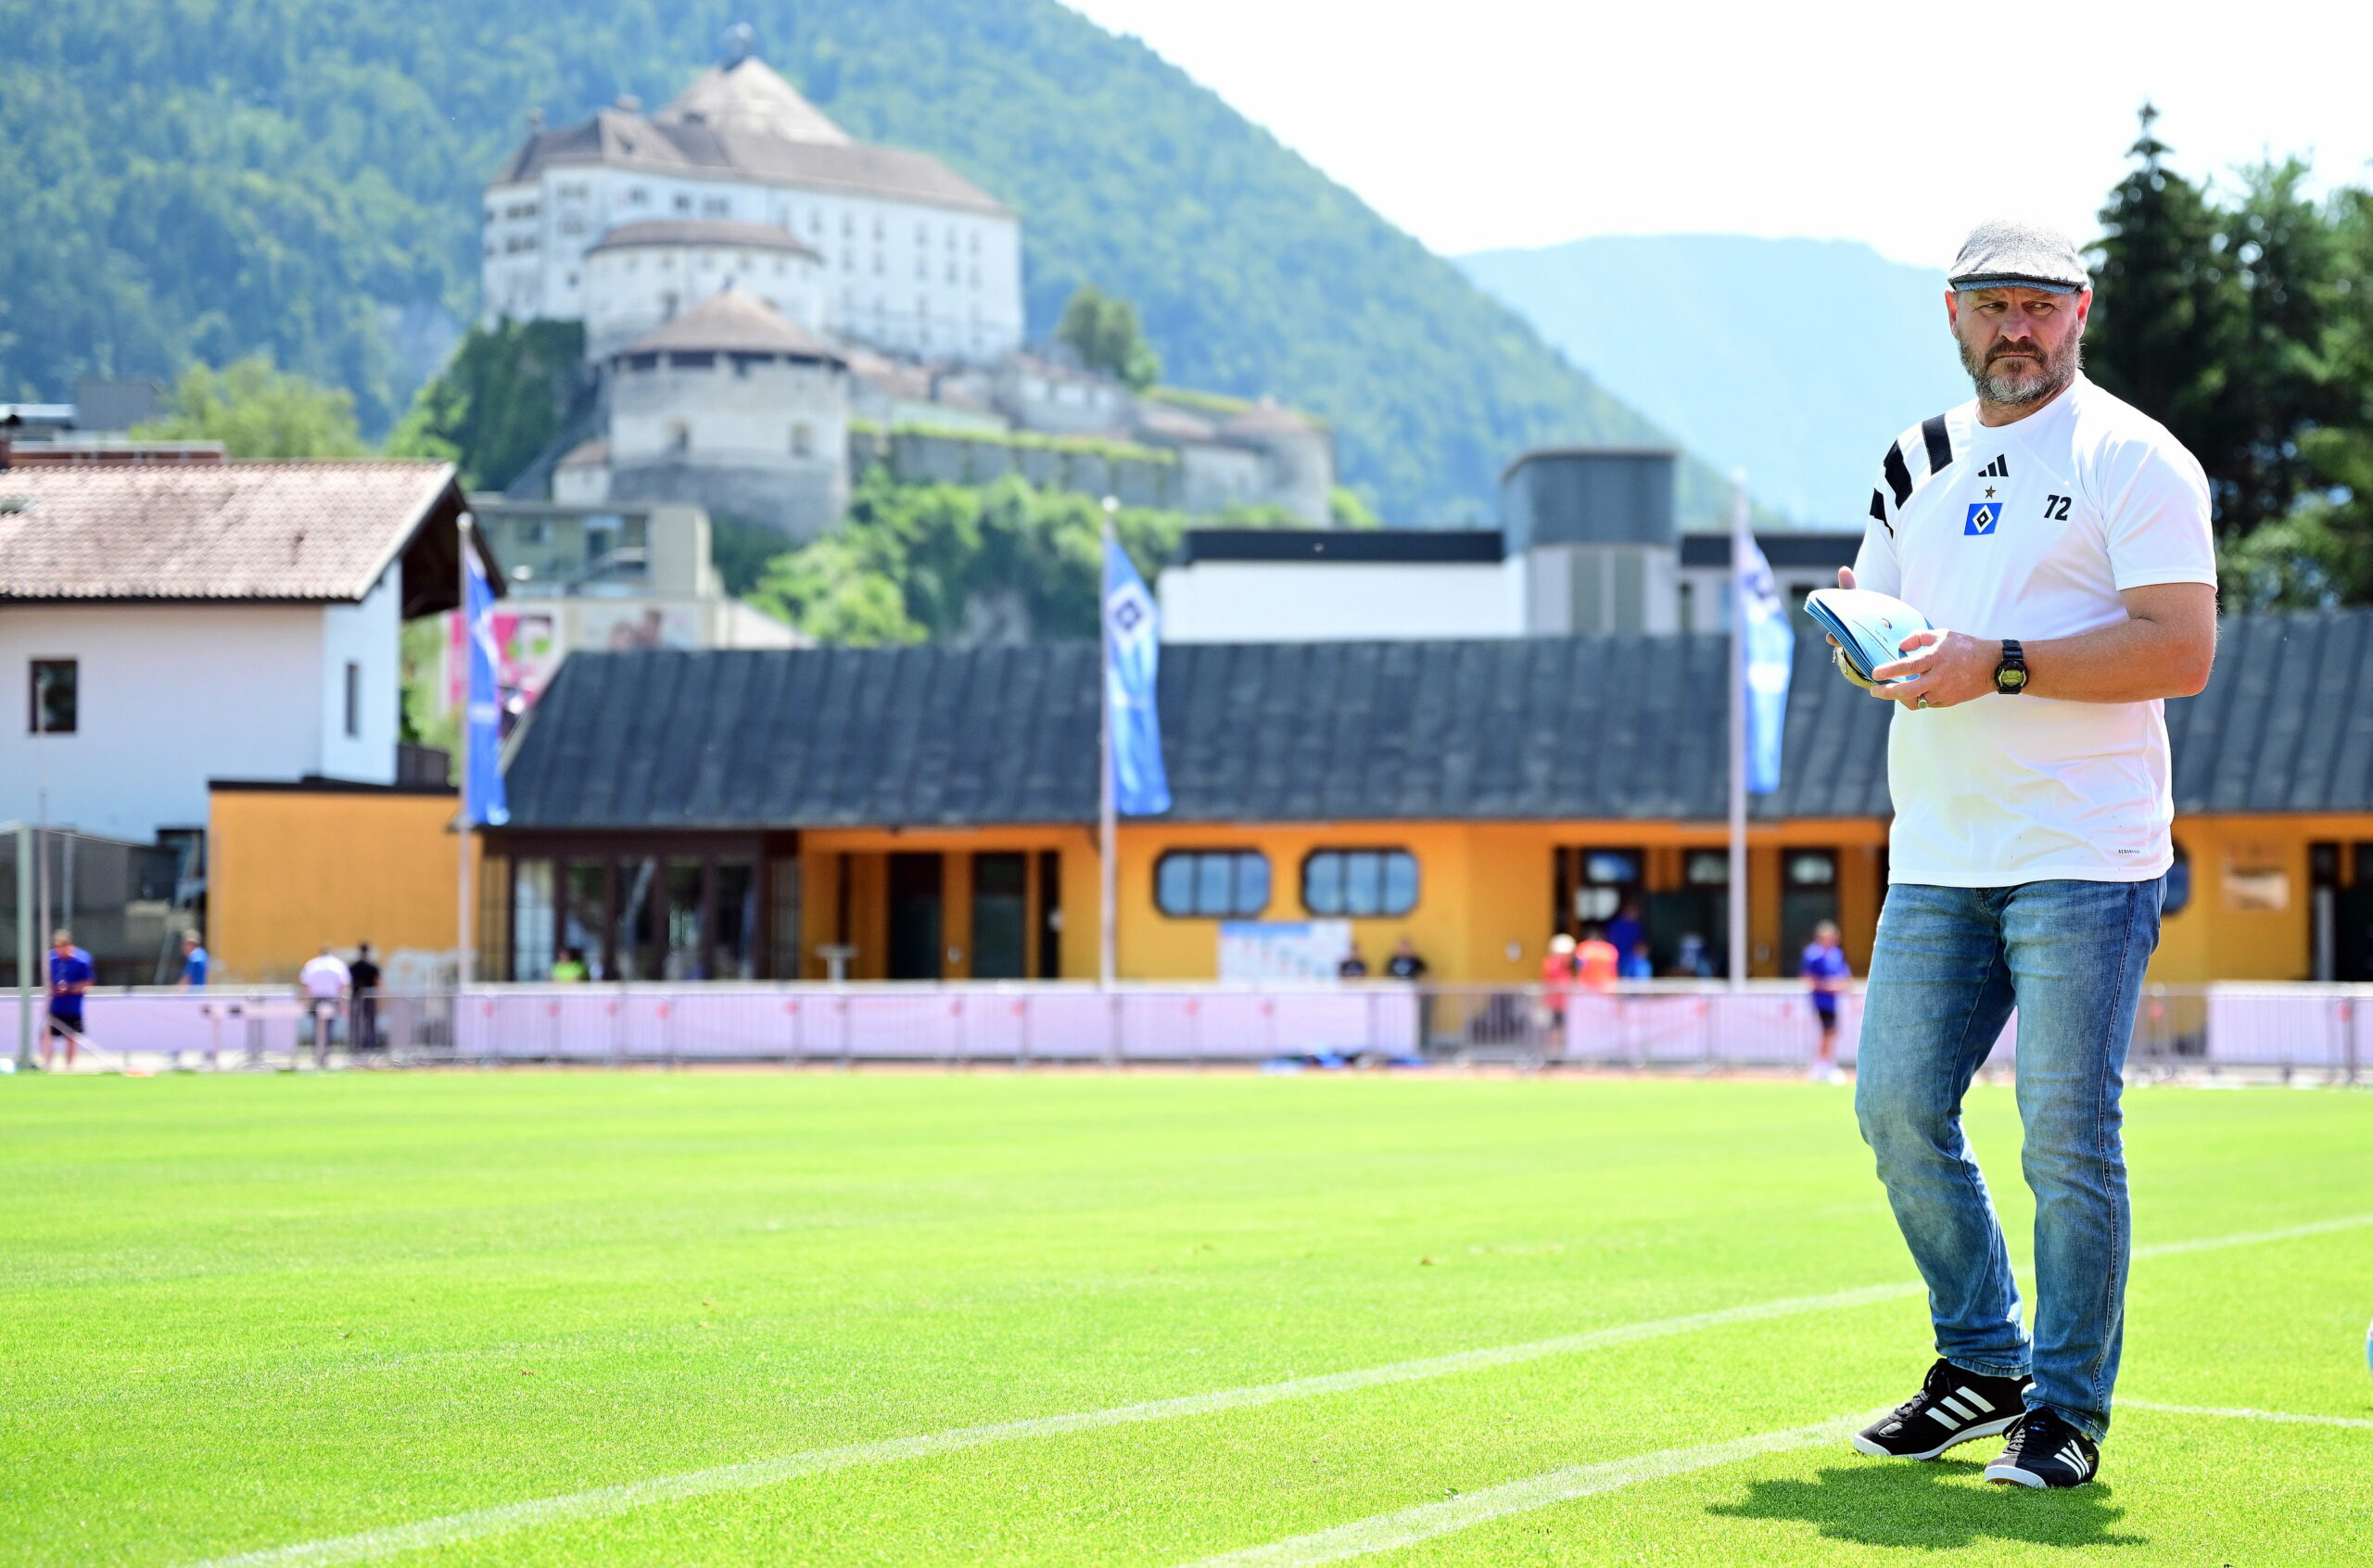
1526,122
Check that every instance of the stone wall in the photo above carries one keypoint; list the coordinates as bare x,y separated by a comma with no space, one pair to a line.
926,456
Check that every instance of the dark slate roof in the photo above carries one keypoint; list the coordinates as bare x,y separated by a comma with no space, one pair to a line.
1425,545
1516,729
1797,547
2287,721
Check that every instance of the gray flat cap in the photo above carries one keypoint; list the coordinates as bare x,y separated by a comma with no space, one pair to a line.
2001,253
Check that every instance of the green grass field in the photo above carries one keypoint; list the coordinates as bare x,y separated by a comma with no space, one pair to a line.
286,1316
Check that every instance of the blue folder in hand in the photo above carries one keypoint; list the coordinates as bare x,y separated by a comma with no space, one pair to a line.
1870,627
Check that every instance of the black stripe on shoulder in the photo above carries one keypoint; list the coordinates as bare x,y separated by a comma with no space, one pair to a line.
1940,445
1879,513
1898,476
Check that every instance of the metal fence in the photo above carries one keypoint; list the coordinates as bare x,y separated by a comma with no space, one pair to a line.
2248,1031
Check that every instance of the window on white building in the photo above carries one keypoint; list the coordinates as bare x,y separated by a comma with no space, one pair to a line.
54,692
802,440
680,437
683,203
354,700
637,196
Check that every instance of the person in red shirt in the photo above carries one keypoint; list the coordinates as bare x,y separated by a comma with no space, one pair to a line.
1597,961
1557,983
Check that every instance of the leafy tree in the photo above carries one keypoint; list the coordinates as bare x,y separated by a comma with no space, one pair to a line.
741,551
1106,336
948,562
2322,554
506,394
2171,316
1347,509
257,412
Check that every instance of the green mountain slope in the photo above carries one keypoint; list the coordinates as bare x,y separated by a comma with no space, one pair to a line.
205,177
1798,360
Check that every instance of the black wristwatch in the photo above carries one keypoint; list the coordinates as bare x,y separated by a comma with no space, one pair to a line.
2011,674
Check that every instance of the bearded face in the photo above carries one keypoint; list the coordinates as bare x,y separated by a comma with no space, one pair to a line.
2016,355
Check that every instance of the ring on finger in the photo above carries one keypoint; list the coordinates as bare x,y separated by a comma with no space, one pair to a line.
1920,703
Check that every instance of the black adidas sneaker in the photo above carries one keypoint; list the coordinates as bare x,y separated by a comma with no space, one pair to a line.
2046,1451
1952,1407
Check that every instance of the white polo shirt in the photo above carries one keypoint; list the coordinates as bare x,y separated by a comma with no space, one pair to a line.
2030,530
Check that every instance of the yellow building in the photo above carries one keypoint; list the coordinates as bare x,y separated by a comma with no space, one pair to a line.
295,867
922,813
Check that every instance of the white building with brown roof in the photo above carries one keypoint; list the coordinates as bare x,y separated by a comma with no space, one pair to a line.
189,621
910,257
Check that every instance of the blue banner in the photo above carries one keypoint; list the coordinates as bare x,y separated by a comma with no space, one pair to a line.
482,798
1770,658
1132,652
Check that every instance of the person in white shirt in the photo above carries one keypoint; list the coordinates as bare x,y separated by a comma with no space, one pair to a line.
325,978
2059,540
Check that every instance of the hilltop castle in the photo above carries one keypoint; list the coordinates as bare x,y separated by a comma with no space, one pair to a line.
756,286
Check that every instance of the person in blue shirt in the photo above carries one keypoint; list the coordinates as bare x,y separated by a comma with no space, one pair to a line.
194,963
1624,932
1826,972
70,979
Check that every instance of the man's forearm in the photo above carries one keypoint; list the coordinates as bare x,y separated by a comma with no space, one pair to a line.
2132,660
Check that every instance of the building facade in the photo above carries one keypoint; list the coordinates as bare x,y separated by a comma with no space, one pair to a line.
926,814
179,621
904,253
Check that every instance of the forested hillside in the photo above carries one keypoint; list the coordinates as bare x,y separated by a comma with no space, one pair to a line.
202,179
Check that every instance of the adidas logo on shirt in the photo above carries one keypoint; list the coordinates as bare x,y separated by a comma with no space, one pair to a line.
1998,469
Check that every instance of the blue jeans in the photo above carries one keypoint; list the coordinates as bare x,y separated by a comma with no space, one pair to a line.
1948,966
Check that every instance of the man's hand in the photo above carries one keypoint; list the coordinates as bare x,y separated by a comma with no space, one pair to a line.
1945,669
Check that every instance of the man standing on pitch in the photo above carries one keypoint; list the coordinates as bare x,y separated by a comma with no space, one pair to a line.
2059,541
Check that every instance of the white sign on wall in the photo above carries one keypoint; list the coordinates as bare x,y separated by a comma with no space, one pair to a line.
1283,950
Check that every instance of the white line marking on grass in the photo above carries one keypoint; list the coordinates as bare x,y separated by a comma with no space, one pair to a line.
2232,1413
1390,1531
602,1501
2249,1238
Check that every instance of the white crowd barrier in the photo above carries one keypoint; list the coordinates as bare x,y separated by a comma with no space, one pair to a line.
2245,1028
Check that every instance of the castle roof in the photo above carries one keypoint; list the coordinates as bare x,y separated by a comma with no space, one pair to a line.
748,95
732,321
702,231
745,121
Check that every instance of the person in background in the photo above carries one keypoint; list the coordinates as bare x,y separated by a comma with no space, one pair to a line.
194,964
571,969
1689,959
324,979
1636,965
1625,931
70,972
1354,966
362,1032
1597,961
1826,972
1557,984
1405,965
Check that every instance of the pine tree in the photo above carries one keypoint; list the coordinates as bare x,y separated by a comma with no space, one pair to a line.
2170,317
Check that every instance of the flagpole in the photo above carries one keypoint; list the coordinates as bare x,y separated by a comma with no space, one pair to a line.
1108,912
1737,898
469,654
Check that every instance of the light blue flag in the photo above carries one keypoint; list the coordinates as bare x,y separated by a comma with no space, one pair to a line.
482,784
1131,650
1770,658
